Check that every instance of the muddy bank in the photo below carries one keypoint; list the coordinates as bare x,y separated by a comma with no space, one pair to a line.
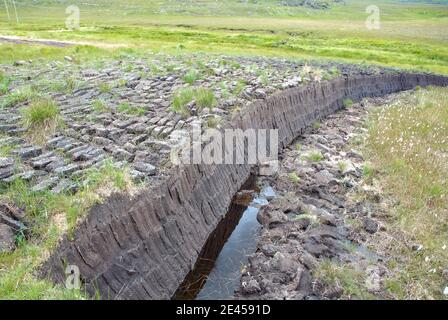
143,248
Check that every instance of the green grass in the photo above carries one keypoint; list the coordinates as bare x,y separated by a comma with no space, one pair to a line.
314,156
41,118
205,98
99,106
293,177
240,85
131,110
191,77
104,87
4,83
67,85
40,112
351,281
368,171
81,53
181,99
411,36
342,165
316,125
406,144
347,103
18,96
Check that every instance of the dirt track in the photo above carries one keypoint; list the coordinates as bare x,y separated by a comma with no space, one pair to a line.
51,43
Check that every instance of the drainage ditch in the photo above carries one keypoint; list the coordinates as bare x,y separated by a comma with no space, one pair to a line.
217,272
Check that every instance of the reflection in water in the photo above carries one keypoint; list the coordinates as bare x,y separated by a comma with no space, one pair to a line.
224,278
217,272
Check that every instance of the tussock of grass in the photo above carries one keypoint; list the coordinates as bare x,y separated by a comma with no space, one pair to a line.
314,156
205,98
240,85
347,103
67,85
104,87
181,99
342,165
50,217
407,143
41,117
334,275
191,77
293,177
40,112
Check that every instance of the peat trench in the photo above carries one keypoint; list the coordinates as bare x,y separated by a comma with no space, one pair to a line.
217,272
147,246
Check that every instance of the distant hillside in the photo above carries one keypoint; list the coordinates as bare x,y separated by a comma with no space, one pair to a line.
321,9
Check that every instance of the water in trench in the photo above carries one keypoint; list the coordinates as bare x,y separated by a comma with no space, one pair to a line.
217,271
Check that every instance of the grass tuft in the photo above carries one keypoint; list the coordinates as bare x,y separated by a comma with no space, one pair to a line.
181,99
205,98
100,106
105,87
347,103
191,77
314,156
293,177
344,277
42,118
40,112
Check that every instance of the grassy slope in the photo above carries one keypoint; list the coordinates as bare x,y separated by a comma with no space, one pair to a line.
411,35
407,144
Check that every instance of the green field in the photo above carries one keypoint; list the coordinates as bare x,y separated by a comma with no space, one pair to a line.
412,34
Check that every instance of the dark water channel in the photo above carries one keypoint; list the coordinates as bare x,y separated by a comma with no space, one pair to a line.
217,271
